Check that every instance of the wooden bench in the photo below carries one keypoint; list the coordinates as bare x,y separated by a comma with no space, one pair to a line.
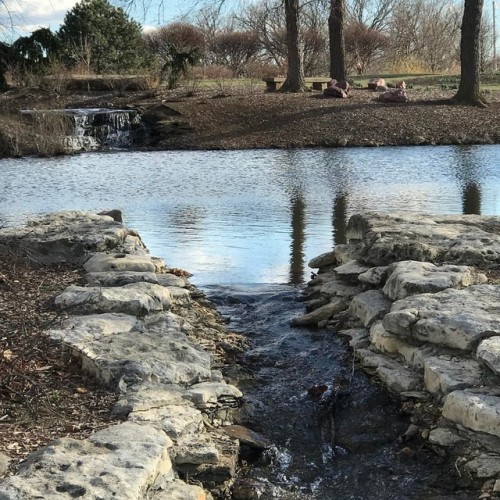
317,82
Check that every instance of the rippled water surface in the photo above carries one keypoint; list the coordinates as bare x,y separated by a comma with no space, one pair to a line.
252,216
246,223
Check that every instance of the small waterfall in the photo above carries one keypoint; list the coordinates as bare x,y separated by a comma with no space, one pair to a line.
95,128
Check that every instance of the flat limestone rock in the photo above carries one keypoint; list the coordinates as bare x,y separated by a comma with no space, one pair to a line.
78,330
358,337
442,375
205,392
382,239
350,271
66,236
485,465
375,276
169,279
136,299
476,411
175,420
396,377
195,449
323,313
444,437
120,278
161,352
148,395
178,490
121,461
488,352
453,318
106,262
338,288
323,260
411,278
246,436
369,306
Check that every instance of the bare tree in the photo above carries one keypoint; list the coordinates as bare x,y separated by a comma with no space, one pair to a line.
295,69
374,14
469,88
363,45
337,43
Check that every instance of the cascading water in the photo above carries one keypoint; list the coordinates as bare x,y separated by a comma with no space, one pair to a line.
96,128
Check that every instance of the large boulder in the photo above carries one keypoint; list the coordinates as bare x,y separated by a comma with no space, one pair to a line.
452,318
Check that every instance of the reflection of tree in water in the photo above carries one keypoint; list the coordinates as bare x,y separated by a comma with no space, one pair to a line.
298,208
340,218
469,173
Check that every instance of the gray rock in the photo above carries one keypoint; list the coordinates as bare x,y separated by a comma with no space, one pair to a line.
453,318
104,262
76,331
485,466
4,464
394,375
323,313
195,449
148,395
323,260
382,239
119,278
411,278
178,490
168,279
375,276
476,411
369,306
350,271
175,420
246,436
359,338
136,299
180,296
444,437
161,353
338,288
121,461
444,376
488,352
66,236
205,392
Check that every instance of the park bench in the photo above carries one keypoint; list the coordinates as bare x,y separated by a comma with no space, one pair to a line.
317,82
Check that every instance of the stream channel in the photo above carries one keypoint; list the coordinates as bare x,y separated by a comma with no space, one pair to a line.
246,223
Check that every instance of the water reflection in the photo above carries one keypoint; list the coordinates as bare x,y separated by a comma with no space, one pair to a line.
253,216
340,218
469,173
298,211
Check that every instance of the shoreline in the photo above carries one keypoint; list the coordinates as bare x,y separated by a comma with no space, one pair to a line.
209,120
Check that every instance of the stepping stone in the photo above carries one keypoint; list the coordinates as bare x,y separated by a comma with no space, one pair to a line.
444,375
104,262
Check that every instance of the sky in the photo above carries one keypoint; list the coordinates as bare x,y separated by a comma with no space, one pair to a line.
29,15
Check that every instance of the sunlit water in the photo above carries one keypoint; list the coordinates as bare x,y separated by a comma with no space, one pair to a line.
252,216
246,223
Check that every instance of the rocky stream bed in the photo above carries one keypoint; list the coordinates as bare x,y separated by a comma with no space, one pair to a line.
416,298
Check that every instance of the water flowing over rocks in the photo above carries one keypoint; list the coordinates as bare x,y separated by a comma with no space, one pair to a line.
424,320
152,336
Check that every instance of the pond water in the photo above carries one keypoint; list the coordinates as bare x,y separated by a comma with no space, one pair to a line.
246,223
252,216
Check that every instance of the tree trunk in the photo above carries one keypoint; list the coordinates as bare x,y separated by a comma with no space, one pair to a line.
295,73
3,81
469,89
336,35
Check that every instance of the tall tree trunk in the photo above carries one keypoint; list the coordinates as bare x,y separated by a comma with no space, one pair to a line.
295,73
469,89
336,35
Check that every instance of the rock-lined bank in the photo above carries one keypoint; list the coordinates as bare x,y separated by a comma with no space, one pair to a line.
140,327
418,299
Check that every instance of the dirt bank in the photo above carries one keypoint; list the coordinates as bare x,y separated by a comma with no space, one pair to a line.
242,118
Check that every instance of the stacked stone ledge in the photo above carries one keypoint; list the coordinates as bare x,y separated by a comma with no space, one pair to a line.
135,326
413,296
